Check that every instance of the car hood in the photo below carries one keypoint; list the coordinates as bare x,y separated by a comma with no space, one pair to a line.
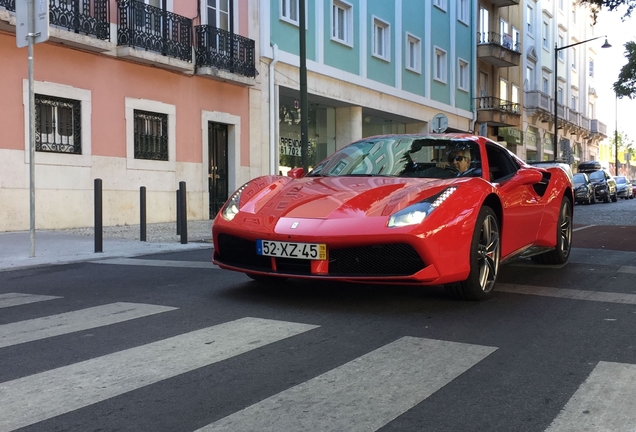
340,197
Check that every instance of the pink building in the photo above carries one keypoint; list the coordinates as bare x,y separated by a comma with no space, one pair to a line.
136,93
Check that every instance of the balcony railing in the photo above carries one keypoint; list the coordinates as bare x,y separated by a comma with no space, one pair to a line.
90,17
8,4
498,39
224,50
491,102
154,29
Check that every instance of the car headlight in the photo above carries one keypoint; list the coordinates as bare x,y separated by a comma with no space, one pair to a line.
232,206
415,214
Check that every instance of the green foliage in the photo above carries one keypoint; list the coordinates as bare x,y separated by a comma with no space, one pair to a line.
610,5
625,86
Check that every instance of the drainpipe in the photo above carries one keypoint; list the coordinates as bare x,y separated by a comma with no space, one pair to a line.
273,114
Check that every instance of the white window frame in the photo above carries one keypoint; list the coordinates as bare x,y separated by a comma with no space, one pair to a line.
347,10
463,11
545,83
591,67
440,4
505,41
514,95
413,54
463,75
440,68
530,20
219,12
503,90
530,77
516,39
560,54
285,11
574,59
574,99
545,35
67,92
379,24
132,104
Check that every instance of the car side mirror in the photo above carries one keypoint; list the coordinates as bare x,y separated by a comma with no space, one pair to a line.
296,173
524,176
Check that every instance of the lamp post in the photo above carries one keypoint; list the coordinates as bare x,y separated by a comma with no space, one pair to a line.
616,138
556,80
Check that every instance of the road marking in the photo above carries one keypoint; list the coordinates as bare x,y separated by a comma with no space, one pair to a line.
627,269
69,322
605,297
16,299
583,227
158,263
38,397
605,402
364,394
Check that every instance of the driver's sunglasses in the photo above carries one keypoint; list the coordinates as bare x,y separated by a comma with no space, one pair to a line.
459,158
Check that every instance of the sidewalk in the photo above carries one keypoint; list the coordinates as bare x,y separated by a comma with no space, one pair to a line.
78,245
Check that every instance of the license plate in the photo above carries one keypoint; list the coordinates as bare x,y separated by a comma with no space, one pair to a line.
312,251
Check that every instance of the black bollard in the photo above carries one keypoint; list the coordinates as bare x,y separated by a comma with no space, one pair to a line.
178,213
142,213
184,212
99,226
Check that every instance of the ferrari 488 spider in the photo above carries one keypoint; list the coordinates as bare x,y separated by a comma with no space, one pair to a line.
441,209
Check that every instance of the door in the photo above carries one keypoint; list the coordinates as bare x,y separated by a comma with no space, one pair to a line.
218,168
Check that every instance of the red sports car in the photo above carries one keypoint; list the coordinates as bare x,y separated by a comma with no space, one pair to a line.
440,209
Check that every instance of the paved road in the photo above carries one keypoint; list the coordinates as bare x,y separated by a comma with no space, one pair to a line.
606,226
166,343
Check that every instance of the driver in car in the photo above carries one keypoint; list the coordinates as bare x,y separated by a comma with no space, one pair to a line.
460,160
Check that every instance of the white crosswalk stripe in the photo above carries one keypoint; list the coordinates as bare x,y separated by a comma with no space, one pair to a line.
605,402
58,391
17,299
366,393
69,322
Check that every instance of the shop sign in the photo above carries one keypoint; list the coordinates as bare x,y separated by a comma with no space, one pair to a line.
531,138
289,146
511,135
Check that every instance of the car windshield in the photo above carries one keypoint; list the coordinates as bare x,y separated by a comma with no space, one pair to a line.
620,180
597,175
428,157
579,178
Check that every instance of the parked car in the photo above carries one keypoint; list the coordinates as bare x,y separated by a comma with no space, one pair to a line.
583,189
604,183
624,187
419,210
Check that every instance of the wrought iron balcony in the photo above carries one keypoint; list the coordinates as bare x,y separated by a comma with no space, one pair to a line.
154,29
8,4
498,50
221,49
497,112
89,17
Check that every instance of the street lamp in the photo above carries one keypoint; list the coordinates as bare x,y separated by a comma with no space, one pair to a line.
556,80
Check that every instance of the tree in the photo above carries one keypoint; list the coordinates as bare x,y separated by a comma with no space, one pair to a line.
625,144
610,5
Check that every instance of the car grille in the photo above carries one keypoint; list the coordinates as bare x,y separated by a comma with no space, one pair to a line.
377,260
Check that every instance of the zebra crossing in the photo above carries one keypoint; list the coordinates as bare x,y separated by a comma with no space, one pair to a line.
363,394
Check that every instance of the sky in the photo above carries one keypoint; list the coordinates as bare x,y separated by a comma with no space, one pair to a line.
608,64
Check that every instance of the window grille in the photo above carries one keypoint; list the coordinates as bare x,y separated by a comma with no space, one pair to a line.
58,124
151,135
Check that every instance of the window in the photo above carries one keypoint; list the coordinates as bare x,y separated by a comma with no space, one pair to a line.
573,58
515,98
381,39
530,78
516,39
561,44
560,5
463,78
546,35
440,65
545,84
506,39
591,71
560,94
289,11
529,19
413,53
484,25
218,14
342,22
574,100
503,89
151,135
440,4
58,125
462,11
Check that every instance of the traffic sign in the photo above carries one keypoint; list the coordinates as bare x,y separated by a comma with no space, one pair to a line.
40,32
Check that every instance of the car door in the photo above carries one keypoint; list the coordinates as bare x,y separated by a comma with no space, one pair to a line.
522,205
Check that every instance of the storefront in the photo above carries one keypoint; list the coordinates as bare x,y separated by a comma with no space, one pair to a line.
512,136
532,142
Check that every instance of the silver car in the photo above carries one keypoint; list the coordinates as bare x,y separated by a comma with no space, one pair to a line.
624,187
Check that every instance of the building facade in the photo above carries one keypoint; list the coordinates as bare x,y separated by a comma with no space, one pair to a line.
135,93
373,67
563,29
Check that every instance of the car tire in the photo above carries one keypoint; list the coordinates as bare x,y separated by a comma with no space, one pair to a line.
485,253
561,252
592,199
614,197
606,198
265,279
